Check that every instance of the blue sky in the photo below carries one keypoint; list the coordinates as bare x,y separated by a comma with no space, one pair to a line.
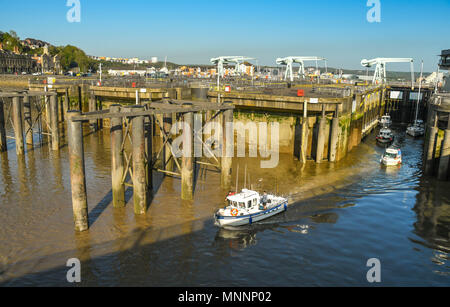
192,32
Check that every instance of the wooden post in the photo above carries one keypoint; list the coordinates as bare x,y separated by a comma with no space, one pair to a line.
187,167
139,173
54,122
227,148
93,123
66,103
117,165
445,155
61,109
77,172
28,120
321,137
18,124
334,136
430,146
80,100
3,146
148,123
168,161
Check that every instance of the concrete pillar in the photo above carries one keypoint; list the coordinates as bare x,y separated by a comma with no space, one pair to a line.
139,170
93,123
445,155
77,172
54,122
117,159
3,146
28,120
321,137
227,148
430,146
18,124
187,166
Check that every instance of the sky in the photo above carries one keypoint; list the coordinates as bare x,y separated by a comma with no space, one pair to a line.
193,31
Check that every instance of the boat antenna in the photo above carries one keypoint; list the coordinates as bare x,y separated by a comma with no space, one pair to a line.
237,178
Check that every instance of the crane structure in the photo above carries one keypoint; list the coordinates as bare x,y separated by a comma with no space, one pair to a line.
289,61
222,60
380,68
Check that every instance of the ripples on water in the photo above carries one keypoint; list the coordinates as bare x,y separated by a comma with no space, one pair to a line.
341,216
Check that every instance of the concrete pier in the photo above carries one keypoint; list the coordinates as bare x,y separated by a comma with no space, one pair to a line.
3,146
54,125
187,166
139,170
18,124
77,172
117,159
28,120
227,149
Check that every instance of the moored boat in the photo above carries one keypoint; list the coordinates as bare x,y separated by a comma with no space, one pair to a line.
248,207
392,157
386,121
416,129
385,136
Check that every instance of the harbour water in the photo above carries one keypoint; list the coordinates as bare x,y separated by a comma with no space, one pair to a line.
340,216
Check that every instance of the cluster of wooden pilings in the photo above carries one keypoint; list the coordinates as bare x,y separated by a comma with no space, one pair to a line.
29,113
137,123
437,138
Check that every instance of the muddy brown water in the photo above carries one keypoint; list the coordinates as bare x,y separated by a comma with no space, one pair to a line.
340,216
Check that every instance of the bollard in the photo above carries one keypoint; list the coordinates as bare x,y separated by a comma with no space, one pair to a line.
28,120
227,148
18,124
54,122
187,166
139,173
3,146
77,172
117,164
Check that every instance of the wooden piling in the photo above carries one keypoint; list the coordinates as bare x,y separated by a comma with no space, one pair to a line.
77,172
430,146
445,155
148,125
80,99
117,159
28,121
187,166
18,124
93,123
66,102
168,159
3,146
139,171
227,148
321,137
334,136
54,127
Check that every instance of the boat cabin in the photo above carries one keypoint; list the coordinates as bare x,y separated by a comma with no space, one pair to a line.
392,153
244,200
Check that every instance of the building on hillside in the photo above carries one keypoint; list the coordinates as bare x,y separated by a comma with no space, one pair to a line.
11,62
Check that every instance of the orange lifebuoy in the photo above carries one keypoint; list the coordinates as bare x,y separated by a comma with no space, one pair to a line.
234,212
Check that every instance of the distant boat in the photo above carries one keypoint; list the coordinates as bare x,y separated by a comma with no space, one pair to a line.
392,157
386,121
385,136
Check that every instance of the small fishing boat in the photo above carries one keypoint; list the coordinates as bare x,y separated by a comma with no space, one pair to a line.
392,157
386,121
416,129
385,136
248,207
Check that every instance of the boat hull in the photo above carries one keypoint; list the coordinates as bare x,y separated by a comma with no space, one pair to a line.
236,221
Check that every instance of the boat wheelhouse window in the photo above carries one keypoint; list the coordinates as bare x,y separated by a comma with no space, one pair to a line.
255,201
249,204
235,204
242,205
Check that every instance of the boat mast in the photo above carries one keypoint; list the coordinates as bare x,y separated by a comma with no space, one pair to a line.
418,96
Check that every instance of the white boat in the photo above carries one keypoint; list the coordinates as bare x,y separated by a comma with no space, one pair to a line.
385,136
248,207
416,129
392,157
386,121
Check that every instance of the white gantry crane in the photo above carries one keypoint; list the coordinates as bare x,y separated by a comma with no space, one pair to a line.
380,68
222,60
289,61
